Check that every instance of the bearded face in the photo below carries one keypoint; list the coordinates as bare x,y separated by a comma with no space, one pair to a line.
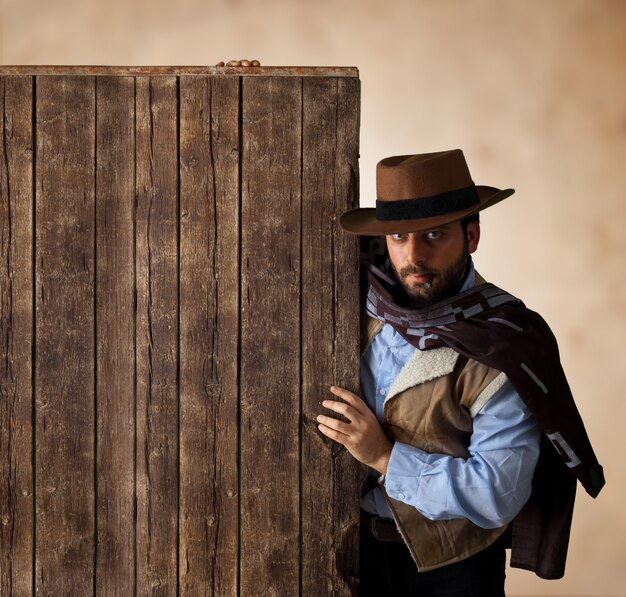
430,264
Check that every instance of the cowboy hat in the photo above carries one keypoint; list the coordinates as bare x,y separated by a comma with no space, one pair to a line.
420,191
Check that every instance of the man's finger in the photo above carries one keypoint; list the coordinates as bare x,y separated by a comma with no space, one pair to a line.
351,398
335,424
332,434
342,408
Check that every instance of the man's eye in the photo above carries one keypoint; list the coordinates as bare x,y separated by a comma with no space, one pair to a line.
434,234
398,236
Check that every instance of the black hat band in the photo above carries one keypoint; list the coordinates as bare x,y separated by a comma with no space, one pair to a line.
427,207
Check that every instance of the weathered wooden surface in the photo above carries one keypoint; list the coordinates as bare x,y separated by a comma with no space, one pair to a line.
209,340
329,344
16,336
176,298
115,333
64,335
157,334
270,331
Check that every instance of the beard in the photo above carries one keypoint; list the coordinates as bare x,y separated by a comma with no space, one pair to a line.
442,284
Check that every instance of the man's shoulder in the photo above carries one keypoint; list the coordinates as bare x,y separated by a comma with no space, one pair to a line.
369,328
478,279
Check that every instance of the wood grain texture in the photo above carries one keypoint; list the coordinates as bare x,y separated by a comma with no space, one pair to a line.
16,330
330,339
115,332
193,299
157,335
64,363
209,286
270,359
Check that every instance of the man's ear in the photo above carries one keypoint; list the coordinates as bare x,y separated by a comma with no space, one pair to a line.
473,236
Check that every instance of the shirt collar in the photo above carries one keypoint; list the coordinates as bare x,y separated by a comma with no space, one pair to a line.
470,278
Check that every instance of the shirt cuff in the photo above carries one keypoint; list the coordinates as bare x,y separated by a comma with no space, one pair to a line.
404,470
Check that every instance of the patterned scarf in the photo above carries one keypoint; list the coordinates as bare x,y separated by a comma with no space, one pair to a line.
493,327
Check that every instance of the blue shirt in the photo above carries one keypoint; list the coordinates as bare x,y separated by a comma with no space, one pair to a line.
491,486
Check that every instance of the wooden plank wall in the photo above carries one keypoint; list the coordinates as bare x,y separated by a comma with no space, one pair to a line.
175,298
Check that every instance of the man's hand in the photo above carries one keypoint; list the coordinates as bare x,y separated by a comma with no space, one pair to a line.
362,436
239,63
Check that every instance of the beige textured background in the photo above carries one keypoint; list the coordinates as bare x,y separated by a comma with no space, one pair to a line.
533,91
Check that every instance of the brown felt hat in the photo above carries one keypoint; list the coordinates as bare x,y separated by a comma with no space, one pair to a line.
421,191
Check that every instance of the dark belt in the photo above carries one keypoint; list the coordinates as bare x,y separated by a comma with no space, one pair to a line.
383,529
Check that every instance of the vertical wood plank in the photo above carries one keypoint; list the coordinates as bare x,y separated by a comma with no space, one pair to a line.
209,278
16,329
157,335
64,363
348,473
270,359
330,327
115,295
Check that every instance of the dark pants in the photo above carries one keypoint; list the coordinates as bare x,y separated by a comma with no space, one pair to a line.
388,570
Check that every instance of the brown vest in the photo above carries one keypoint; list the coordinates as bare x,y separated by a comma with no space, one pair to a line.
430,406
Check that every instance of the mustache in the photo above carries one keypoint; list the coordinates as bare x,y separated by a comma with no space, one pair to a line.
414,269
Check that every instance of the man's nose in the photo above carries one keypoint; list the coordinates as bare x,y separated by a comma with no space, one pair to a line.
417,251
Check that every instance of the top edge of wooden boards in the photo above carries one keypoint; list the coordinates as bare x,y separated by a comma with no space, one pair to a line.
233,71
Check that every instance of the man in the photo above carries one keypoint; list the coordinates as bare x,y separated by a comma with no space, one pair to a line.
464,400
